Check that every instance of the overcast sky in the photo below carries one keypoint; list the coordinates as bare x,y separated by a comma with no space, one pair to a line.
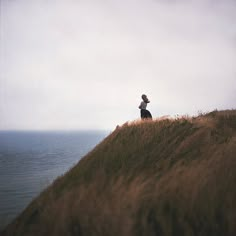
84,64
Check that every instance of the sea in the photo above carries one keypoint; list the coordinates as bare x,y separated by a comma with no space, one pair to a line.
30,161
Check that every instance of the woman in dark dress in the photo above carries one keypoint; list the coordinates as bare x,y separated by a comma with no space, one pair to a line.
145,114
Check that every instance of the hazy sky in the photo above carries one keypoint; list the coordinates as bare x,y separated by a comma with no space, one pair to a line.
84,64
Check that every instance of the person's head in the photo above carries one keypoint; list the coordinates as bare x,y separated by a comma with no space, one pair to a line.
145,99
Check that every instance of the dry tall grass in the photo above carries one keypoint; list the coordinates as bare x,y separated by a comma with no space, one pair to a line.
161,177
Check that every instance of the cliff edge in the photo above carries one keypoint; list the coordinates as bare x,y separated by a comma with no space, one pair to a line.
161,177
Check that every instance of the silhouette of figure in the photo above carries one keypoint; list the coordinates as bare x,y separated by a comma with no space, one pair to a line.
145,114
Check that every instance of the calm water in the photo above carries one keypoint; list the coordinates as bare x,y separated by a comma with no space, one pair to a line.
30,161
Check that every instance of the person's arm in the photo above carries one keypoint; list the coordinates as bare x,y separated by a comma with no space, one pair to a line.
140,106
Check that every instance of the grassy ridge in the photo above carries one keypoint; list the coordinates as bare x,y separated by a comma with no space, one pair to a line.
161,177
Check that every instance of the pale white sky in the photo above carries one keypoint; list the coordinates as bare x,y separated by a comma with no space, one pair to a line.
71,64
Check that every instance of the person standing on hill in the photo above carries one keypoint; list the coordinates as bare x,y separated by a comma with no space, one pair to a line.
145,114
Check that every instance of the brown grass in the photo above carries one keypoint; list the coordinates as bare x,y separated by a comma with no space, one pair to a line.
162,177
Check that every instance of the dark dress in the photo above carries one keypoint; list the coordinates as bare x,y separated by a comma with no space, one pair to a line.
145,114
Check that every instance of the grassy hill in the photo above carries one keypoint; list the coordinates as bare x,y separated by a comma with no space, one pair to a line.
160,177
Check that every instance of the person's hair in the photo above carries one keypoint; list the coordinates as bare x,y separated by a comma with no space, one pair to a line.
145,99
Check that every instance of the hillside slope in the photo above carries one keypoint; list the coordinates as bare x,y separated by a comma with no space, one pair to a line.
161,177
